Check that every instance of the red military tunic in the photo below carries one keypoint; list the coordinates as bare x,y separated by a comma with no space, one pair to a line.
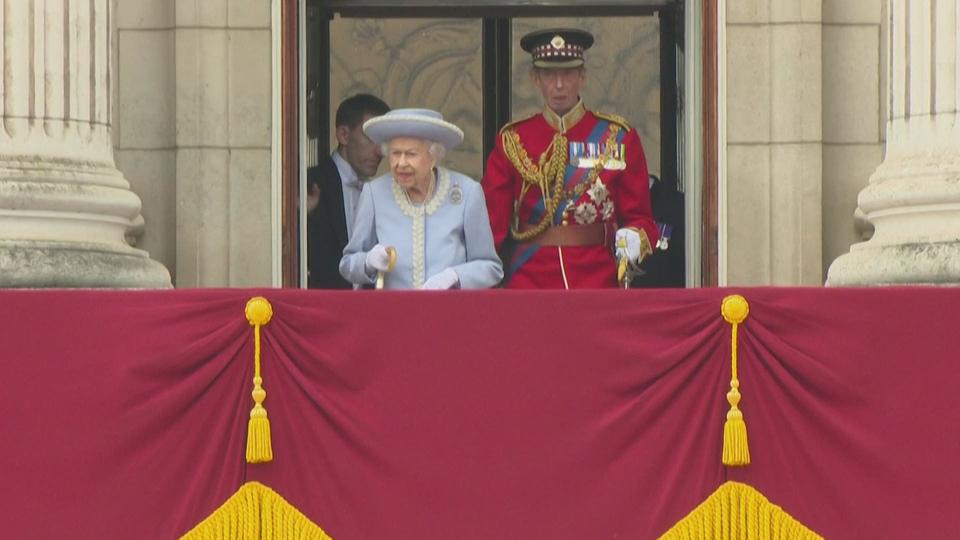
604,181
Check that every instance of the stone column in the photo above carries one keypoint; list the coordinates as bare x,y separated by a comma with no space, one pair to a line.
65,209
913,199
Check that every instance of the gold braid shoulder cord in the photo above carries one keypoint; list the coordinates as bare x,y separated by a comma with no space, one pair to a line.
549,176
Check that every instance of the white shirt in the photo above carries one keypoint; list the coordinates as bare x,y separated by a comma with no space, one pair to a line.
352,186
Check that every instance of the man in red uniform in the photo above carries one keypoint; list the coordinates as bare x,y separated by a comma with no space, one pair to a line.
567,185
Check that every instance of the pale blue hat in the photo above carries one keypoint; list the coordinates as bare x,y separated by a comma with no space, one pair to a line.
420,123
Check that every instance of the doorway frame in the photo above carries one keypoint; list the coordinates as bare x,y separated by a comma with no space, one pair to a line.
700,101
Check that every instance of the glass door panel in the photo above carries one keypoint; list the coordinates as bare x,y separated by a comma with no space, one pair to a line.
422,63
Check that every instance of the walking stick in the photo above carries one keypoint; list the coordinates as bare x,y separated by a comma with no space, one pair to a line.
391,262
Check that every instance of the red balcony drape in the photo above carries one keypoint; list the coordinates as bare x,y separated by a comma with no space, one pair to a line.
503,414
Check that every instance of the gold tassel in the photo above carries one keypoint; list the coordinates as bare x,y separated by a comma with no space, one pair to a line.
736,451
259,450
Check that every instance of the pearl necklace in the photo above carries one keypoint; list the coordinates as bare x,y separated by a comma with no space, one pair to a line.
418,213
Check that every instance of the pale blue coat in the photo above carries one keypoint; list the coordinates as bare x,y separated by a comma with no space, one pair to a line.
451,230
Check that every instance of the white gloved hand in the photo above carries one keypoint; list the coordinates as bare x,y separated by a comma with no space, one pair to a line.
378,259
631,251
446,279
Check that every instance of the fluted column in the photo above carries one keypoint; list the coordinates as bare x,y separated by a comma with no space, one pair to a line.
913,198
65,209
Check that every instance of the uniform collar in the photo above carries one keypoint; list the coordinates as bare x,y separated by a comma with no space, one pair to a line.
567,121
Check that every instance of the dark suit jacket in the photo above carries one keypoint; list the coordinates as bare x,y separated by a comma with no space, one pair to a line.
665,267
326,229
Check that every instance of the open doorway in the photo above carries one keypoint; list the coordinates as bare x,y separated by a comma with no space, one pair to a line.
462,58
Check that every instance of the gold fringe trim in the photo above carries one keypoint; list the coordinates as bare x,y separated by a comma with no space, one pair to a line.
736,450
737,511
256,511
259,448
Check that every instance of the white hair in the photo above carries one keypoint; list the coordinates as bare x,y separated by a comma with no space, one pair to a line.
436,150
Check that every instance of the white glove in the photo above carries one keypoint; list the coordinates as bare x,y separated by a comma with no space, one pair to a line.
632,241
446,279
377,259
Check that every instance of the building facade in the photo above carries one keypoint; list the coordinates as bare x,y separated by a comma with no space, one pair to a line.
181,101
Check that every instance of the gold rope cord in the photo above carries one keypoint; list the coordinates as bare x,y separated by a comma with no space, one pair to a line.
256,511
549,175
737,511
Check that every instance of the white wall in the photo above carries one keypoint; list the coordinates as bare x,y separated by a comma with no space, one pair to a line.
772,194
193,134
853,113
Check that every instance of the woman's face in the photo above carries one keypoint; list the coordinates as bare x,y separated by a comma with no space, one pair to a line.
411,162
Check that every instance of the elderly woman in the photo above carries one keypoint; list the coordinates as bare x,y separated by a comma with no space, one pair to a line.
434,219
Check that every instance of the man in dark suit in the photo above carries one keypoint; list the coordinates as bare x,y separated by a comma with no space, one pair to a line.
333,190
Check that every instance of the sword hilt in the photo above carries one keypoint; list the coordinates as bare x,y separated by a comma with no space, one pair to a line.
623,264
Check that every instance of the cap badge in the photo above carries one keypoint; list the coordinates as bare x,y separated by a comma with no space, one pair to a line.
557,42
